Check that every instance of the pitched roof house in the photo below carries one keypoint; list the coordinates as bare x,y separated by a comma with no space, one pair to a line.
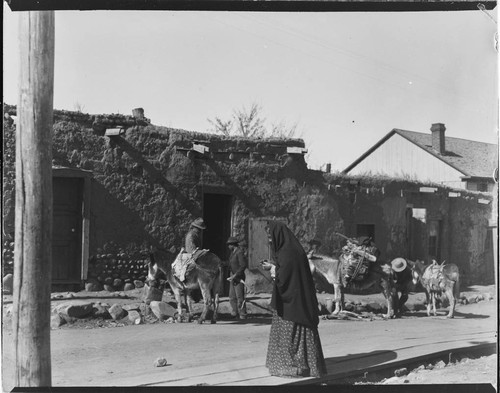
453,162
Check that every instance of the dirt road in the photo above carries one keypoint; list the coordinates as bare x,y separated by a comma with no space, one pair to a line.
233,352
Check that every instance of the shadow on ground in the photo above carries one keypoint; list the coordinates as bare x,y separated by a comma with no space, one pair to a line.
443,314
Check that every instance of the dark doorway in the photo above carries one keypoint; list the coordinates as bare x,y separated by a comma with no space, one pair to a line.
67,230
217,210
217,216
365,230
418,233
434,239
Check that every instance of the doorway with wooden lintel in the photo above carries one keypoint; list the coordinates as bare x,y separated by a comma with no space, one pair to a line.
70,232
217,214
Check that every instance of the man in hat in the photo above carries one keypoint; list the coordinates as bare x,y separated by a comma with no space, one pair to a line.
185,261
402,281
243,246
237,266
193,237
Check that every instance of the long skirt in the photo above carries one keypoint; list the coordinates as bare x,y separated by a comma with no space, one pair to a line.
294,350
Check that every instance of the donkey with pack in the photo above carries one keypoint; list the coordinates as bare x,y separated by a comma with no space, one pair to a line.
358,268
203,272
438,279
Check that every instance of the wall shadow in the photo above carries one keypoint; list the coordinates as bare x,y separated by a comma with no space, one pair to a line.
362,360
442,315
157,177
113,221
254,319
351,364
252,203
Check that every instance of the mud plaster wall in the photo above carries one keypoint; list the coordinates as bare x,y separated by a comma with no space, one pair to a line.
466,239
464,228
145,193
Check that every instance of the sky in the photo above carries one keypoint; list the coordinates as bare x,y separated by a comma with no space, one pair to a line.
345,78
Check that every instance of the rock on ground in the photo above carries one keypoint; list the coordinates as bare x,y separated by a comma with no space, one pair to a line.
7,283
74,310
135,317
117,312
162,310
56,321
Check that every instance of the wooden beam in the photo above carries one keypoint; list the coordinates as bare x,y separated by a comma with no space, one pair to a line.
33,222
296,150
111,132
202,149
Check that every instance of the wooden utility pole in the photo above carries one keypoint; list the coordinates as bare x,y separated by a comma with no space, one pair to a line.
33,227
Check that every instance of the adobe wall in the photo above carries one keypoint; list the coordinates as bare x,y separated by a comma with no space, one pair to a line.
147,188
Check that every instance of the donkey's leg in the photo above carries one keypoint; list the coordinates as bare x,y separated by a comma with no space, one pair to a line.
390,296
207,299
338,299
216,307
428,302
451,298
189,306
433,297
178,299
392,303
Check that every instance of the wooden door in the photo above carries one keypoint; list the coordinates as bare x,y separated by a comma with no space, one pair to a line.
67,230
258,243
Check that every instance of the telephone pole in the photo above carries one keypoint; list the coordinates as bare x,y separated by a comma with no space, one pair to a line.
33,222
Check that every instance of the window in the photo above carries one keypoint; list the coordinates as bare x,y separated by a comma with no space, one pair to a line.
419,214
483,187
434,239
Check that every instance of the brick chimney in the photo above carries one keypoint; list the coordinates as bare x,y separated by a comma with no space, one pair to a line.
438,130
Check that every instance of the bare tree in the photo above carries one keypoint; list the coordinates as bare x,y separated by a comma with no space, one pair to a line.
222,127
78,107
248,122
283,130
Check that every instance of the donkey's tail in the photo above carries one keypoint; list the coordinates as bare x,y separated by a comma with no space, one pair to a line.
151,258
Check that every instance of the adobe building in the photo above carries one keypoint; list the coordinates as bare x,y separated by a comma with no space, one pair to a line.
122,185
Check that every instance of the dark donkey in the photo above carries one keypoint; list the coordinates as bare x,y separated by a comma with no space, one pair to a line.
436,280
379,278
205,275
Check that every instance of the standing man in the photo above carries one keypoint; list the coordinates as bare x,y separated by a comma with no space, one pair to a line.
243,245
193,237
237,266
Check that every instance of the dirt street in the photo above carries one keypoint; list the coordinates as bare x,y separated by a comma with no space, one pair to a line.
233,352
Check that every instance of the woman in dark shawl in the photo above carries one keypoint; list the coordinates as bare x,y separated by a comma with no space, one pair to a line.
294,345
